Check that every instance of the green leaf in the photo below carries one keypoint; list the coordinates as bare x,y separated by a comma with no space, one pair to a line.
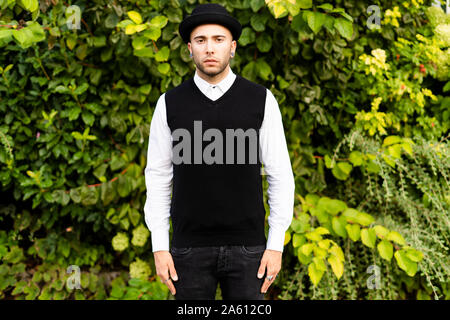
162,54
396,237
381,231
337,266
30,5
164,68
264,42
354,231
135,16
389,140
339,226
305,4
139,42
356,158
159,22
385,249
332,206
368,237
406,264
342,170
264,70
344,27
298,240
256,4
307,248
315,274
326,6
414,255
315,20
152,33
247,36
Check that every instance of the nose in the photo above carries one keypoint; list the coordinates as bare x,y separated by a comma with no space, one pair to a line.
209,47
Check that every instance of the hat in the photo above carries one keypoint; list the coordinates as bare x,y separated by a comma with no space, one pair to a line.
209,13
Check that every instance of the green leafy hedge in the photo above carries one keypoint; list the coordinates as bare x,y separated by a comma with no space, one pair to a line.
76,106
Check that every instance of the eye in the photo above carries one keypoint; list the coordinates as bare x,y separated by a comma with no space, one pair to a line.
220,39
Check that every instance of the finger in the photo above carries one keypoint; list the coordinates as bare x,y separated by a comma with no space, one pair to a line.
173,272
262,268
268,282
171,286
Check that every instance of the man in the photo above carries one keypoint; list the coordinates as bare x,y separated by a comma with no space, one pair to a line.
217,206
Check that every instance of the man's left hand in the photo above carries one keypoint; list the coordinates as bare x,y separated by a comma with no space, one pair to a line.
270,262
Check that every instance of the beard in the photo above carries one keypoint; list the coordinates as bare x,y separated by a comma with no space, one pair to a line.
213,72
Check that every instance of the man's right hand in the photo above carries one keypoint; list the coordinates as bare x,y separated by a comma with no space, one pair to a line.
165,269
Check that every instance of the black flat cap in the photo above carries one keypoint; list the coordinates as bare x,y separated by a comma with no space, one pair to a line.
209,13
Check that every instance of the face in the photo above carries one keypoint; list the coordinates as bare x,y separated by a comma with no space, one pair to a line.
211,41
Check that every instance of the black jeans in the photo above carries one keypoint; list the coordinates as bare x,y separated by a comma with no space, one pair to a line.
234,268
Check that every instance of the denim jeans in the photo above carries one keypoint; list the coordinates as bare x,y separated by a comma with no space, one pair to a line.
234,268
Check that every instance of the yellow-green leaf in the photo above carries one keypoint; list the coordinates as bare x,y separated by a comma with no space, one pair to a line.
381,231
336,251
368,237
337,266
307,248
135,16
385,249
287,237
314,274
354,231
396,237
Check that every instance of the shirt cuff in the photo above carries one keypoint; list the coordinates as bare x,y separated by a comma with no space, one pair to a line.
160,240
275,239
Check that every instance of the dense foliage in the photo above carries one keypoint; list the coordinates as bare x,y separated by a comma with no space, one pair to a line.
366,113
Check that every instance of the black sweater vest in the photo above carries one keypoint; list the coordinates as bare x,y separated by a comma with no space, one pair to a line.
219,203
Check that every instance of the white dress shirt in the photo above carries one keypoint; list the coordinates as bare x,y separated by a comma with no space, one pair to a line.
274,156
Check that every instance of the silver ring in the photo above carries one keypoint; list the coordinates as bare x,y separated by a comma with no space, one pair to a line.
269,278
165,281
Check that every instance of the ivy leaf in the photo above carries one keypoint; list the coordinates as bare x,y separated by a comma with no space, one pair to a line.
337,266
264,42
356,158
414,255
256,4
406,264
396,237
381,231
344,27
368,237
164,68
314,274
354,231
389,140
162,54
385,249
315,20
135,16
159,22
30,5
339,226
247,36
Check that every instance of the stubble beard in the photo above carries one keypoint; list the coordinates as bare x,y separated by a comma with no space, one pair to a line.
212,73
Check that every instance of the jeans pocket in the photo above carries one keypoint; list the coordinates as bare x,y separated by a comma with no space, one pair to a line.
180,252
253,251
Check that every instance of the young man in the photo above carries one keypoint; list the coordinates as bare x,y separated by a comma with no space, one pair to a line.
217,206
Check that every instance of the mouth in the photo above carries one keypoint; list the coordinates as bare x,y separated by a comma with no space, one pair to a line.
211,61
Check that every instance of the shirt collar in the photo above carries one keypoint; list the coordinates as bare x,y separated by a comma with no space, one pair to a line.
223,85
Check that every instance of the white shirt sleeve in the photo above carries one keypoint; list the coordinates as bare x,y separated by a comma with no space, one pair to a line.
278,170
158,178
